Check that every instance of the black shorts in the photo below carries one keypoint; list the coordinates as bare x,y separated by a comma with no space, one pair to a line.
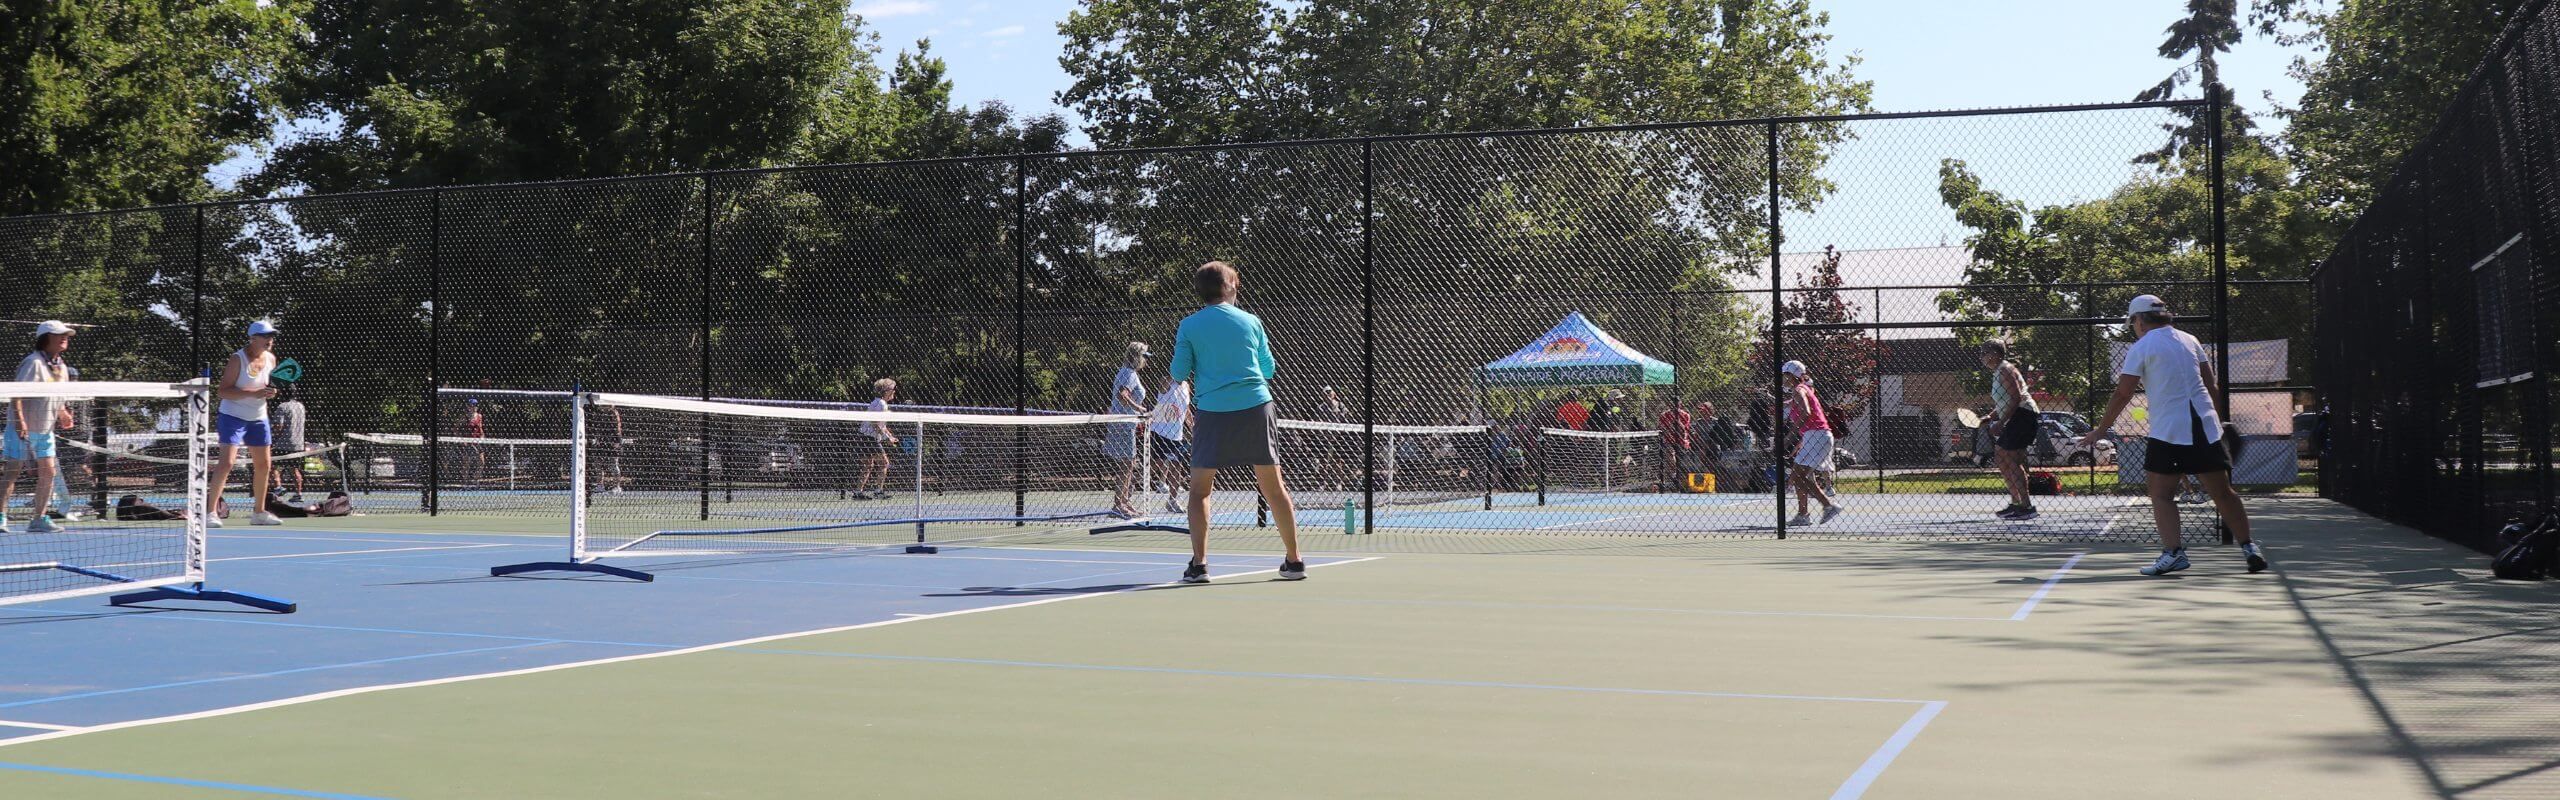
2186,459
2019,430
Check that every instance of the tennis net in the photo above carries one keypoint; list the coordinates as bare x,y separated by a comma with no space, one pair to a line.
1572,462
1328,465
664,476
142,534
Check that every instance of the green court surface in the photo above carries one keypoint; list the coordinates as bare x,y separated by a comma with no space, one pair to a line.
2373,663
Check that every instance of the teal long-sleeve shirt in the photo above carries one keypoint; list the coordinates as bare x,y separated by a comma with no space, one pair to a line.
1226,356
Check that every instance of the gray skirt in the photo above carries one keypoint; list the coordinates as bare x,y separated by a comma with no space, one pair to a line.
1222,439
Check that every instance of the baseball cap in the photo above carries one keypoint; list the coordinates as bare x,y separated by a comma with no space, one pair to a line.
1795,368
262,328
52,326
2145,304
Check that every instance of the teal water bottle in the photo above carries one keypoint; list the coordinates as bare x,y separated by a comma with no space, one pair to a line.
1350,516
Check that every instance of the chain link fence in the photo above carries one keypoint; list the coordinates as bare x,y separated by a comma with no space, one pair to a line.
2436,351
1575,332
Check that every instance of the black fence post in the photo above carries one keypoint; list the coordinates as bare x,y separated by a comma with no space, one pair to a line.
1777,341
1021,339
2221,265
433,473
702,374
1368,339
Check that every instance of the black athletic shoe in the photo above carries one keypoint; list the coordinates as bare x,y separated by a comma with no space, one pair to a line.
2009,511
1196,573
2024,513
1293,570
2257,560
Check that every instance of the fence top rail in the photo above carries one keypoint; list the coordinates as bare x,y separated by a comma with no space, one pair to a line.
1170,149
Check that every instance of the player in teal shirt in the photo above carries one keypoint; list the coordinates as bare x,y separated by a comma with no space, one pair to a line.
1224,354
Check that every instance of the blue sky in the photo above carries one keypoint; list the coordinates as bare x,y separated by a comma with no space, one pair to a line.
1921,56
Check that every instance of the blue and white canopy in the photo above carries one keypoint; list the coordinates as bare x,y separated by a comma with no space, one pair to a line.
1576,353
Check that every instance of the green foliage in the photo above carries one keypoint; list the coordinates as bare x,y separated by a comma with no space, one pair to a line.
2387,71
2145,237
1839,361
121,104
1669,217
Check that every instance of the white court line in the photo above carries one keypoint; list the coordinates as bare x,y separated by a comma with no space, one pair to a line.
2049,581
36,726
329,695
1883,757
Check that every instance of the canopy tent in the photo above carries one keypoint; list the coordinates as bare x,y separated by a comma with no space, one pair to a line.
1575,353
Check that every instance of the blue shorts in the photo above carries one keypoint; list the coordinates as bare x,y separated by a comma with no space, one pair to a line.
231,431
29,447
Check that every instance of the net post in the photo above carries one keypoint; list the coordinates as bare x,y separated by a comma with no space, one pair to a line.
199,482
1777,335
1539,458
920,547
578,475
1394,464
98,459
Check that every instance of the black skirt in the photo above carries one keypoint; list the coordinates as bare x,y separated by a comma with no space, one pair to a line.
1223,439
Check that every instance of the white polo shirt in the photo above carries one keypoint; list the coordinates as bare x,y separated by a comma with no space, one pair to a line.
2171,365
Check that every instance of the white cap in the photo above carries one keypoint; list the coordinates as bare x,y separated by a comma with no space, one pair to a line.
1795,368
2145,304
52,326
262,328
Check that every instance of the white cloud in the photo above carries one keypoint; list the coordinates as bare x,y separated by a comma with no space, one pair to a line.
1009,30
884,9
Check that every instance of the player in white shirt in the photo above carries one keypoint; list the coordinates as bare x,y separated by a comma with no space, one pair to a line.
1170,424
2171,367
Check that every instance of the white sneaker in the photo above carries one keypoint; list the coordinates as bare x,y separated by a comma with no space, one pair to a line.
211,521
1832,512
1172,506
264,518
1801,520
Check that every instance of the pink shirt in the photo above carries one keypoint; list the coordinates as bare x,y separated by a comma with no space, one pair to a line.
1813,420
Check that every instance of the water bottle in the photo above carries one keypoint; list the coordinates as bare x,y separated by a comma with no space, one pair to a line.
1350,516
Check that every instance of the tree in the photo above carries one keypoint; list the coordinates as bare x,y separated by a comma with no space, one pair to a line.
114,105
2087,259
2387,71
1642,230
439,92
1841,362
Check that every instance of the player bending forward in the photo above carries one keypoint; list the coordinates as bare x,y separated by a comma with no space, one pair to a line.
2186,429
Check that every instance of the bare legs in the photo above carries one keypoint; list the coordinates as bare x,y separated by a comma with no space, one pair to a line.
2164,506
2013,471
1807,489
259,467
1284,512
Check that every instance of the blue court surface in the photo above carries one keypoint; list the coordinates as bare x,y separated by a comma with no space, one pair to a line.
381,609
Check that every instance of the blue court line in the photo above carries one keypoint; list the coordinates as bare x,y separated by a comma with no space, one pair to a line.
348,628
1883,757
277,673
186,782
2041,591
1316,676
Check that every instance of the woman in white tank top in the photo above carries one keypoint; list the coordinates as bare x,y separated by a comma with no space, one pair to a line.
242,422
